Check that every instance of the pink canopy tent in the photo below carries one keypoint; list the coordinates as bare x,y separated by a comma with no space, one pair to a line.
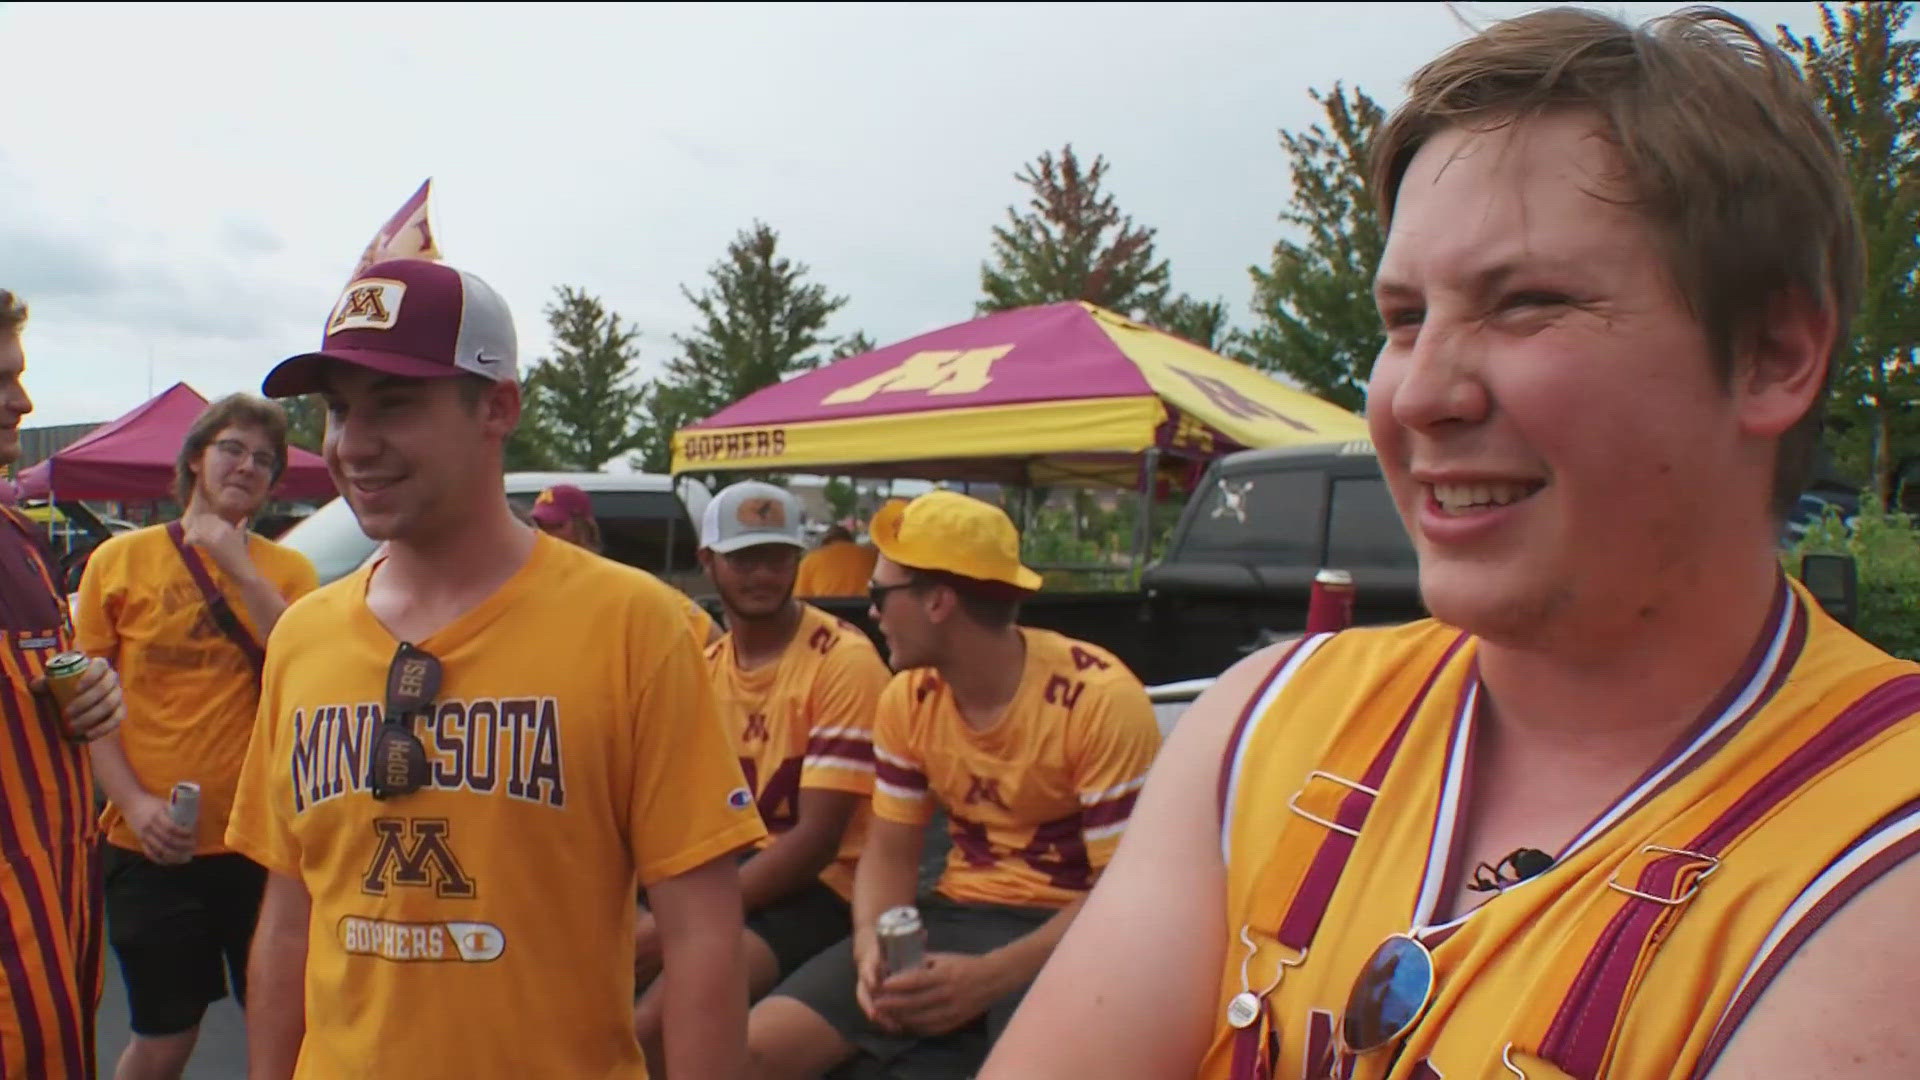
132,458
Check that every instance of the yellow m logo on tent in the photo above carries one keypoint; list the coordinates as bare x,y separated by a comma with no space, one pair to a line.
939,371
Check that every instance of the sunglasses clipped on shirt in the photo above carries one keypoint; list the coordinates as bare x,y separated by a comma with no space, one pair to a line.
398,764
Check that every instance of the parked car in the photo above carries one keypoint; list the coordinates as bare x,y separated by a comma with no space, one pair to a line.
1813,506
646,520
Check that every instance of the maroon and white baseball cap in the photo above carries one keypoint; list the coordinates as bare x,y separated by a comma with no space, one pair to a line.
413,318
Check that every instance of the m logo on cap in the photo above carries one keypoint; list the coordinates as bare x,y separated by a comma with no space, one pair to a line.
763,514
368,304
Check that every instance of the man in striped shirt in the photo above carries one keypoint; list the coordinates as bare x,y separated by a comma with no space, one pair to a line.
50,924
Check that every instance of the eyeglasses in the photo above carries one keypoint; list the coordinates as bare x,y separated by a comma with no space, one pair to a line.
234,450
399,760
1389,997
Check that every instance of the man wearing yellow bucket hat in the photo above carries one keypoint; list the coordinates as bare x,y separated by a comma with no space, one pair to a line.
1033,744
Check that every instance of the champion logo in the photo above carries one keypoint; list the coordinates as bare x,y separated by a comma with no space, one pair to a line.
739,798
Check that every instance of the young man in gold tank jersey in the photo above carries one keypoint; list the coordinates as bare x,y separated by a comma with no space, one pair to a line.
1631,805
472,753
1034,745
184,610
796,689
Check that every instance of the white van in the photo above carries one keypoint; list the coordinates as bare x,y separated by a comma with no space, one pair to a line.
646,520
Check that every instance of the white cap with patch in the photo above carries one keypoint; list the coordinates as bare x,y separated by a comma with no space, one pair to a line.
749,513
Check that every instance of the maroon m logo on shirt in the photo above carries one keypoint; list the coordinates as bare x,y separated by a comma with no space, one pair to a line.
756,728
984,789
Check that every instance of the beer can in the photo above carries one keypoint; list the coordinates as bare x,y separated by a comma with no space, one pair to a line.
63,676
1330,605
903,940
184,804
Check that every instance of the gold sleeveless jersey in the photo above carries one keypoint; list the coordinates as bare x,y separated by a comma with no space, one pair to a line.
1637,953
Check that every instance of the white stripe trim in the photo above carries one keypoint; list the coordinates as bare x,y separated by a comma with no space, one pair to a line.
1822,887
1301,652
1114,792
830,761
1440,849
896,761
1105,831
1444,826
861,734
1740,704
895,791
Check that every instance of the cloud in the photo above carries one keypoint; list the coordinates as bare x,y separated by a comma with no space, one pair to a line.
42,266
249,238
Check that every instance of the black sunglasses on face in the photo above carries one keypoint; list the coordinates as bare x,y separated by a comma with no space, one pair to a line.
398,764
877,593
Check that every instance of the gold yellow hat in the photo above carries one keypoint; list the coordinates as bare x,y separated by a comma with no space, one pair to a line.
954,533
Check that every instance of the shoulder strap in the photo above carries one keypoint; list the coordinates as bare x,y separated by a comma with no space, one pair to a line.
1584,1028
222,612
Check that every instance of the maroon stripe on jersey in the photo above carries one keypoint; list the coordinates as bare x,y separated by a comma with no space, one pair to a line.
1110,811
1309,907
888,773
1577,1040
1240,725
1836,898
36,725
26,1008
34,891
91,918
854,749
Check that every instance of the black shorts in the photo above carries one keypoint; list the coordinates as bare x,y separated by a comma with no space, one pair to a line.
802,924
826,984
181,933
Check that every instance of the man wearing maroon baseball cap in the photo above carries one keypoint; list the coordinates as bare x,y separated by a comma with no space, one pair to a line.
409,317
565,511
553,687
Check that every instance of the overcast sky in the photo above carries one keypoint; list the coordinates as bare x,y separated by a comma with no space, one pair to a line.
184,189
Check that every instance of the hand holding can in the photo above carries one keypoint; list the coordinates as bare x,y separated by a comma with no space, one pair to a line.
87,693
183,805
903,939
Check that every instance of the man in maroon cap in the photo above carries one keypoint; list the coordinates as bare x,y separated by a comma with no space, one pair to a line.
564,510
471,752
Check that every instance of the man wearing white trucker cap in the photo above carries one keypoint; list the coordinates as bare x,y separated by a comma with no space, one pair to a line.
796,689
1033,743
470,753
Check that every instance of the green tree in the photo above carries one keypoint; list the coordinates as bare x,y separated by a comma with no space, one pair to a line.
760,320
842,499
1071,243
853,345
1203,322
306,421
582,407
1867,76
531,447
1313,305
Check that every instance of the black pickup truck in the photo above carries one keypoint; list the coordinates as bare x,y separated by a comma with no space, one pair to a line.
1241,563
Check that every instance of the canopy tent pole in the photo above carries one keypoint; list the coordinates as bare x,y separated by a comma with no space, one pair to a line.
1143,538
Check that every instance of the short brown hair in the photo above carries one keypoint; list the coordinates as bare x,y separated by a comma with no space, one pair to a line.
245,410
1726,152
13,313
991,604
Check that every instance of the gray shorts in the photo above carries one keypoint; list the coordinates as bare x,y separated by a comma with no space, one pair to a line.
827,985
